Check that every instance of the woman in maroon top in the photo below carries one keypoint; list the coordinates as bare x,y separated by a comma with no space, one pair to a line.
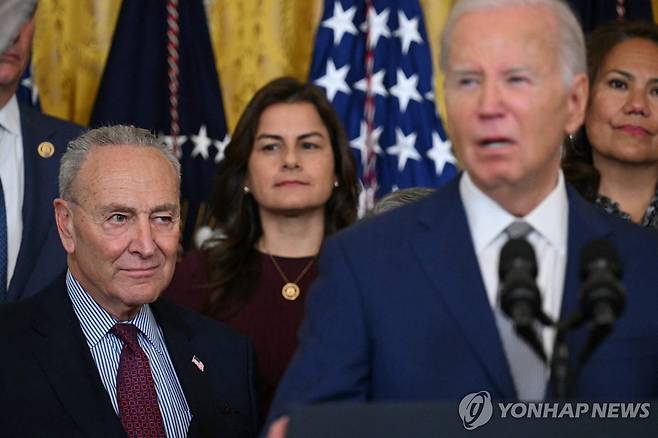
288,179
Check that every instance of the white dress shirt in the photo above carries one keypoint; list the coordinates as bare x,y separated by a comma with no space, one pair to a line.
487,222
106,348
13,179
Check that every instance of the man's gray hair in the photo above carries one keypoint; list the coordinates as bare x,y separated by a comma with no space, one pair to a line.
399,198
117,135
569,31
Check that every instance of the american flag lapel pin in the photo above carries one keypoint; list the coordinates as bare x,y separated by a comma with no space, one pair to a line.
198,363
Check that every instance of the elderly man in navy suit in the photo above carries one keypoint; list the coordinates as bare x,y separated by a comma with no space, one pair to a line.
97,354
31,144
406,306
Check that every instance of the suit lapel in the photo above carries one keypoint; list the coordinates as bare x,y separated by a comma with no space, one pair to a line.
40,188
195,382
445,251
63,354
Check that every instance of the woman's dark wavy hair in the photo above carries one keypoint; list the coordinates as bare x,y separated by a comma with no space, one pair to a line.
233,259
577,163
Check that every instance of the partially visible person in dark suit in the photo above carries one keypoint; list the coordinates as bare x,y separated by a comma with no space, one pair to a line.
406,306
287,181
97,354
31,144
613,159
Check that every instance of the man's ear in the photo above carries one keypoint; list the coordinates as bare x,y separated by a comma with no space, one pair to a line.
64,220
577,103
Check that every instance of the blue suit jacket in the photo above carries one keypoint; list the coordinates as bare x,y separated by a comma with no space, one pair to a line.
399,312
41,257
51,386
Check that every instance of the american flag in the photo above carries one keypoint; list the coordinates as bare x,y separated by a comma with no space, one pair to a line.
161,75
374,63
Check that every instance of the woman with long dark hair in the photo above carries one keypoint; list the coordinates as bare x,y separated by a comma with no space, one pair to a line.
613,159
287,181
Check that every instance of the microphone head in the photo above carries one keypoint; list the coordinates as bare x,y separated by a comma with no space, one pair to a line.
600,254
517,254
518,294
602,297
603,293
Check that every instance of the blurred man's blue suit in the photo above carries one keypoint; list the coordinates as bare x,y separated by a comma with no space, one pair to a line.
400,312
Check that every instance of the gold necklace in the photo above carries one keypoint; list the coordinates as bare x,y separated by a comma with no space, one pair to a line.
290,290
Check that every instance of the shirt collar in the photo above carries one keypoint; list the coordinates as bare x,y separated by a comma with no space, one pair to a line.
10,117
551,217
487,219
96,322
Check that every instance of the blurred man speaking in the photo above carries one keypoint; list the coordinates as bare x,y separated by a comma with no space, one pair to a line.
406,305
95,354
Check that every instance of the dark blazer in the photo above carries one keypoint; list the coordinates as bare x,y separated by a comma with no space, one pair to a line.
51,386
41,257
399,312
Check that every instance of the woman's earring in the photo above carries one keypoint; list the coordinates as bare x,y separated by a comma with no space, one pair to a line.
246,190
336,184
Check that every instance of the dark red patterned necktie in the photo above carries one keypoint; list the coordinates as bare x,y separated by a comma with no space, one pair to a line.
136,395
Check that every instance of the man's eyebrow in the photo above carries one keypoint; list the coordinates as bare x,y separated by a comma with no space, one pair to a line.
126,209
515,70
465,71
165,207
477,72
114,206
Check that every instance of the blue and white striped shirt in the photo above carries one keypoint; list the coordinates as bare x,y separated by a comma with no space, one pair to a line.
105,348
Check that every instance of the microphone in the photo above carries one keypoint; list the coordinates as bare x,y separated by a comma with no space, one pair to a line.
518,292
602,297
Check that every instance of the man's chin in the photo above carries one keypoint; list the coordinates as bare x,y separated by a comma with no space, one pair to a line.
492,181
142,292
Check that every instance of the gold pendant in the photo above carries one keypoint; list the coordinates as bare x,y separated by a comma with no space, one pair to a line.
290,291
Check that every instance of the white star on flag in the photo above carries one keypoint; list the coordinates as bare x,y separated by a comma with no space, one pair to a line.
180,141
429,96
201,143
366,198
341,22
376,84
221,147
407,31
360,141
29,83
441,153
404,148
378,26
334,80
405,89
385,82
